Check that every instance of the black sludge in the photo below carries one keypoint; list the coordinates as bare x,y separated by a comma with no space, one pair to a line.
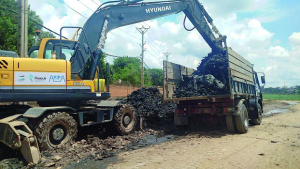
148,103
210,78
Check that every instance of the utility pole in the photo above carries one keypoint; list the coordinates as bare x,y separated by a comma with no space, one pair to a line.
23,28
142,30
167,54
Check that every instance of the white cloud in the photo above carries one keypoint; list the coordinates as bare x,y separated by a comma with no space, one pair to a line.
295,39
172,27
278,51
246,36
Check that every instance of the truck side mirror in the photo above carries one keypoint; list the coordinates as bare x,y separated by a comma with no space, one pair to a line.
263,80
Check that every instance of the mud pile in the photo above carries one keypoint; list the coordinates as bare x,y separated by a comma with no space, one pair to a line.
210,78
148,103
93,148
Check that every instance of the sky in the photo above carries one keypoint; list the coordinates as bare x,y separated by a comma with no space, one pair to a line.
265,32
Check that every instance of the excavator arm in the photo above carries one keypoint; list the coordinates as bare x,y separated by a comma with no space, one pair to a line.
110,17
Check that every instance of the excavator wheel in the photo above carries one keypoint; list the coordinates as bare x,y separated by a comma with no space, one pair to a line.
55,130
125,119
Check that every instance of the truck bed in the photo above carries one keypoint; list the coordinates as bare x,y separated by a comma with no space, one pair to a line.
240,74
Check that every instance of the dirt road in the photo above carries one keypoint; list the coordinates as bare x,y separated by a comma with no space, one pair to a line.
274,144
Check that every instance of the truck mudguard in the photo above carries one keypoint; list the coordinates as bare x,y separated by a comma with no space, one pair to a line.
253,109
238,103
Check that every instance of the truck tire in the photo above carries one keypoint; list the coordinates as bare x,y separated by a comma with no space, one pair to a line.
55,130
242,121
259,119
125,119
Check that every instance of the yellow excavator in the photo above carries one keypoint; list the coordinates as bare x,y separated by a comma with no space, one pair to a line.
65,78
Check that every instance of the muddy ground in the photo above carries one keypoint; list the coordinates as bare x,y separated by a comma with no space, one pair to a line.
274,144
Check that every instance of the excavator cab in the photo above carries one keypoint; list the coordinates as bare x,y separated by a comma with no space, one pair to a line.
49,48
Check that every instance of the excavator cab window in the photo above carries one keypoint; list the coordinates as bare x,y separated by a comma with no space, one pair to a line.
68,48
34,54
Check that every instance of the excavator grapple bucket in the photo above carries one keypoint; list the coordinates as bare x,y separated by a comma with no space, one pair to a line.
17,135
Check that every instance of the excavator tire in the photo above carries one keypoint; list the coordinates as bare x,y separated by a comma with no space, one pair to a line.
55,130
259,119
125,119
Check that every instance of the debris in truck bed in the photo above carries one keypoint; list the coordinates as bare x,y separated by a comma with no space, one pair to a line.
210,78
149,104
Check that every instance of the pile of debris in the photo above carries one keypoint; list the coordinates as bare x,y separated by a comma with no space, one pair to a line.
93,148
149,104
210,78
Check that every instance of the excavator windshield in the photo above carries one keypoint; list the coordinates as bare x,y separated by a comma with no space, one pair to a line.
68,48
49,46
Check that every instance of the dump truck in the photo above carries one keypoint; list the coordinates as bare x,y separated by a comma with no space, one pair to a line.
242,102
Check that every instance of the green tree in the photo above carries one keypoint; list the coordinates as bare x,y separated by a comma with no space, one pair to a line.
128,69
46,34
9,25
156,76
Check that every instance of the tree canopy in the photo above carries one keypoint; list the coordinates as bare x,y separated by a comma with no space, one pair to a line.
157,76
9,25
128,70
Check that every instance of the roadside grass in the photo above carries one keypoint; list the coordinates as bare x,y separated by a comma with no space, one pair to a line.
281,96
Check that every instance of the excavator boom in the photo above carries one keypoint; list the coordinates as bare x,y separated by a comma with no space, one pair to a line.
113,16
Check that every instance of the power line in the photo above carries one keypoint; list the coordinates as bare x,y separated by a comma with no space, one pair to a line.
118,28
72,9
152,32
153,55
146,65
85,5
122,37
129,34
158,48
33,21
92,10
95,3
153,49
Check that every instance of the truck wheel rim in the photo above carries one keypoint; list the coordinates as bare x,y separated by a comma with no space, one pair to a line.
259,113
246,121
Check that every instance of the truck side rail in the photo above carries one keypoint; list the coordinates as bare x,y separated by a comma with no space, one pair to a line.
240,72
